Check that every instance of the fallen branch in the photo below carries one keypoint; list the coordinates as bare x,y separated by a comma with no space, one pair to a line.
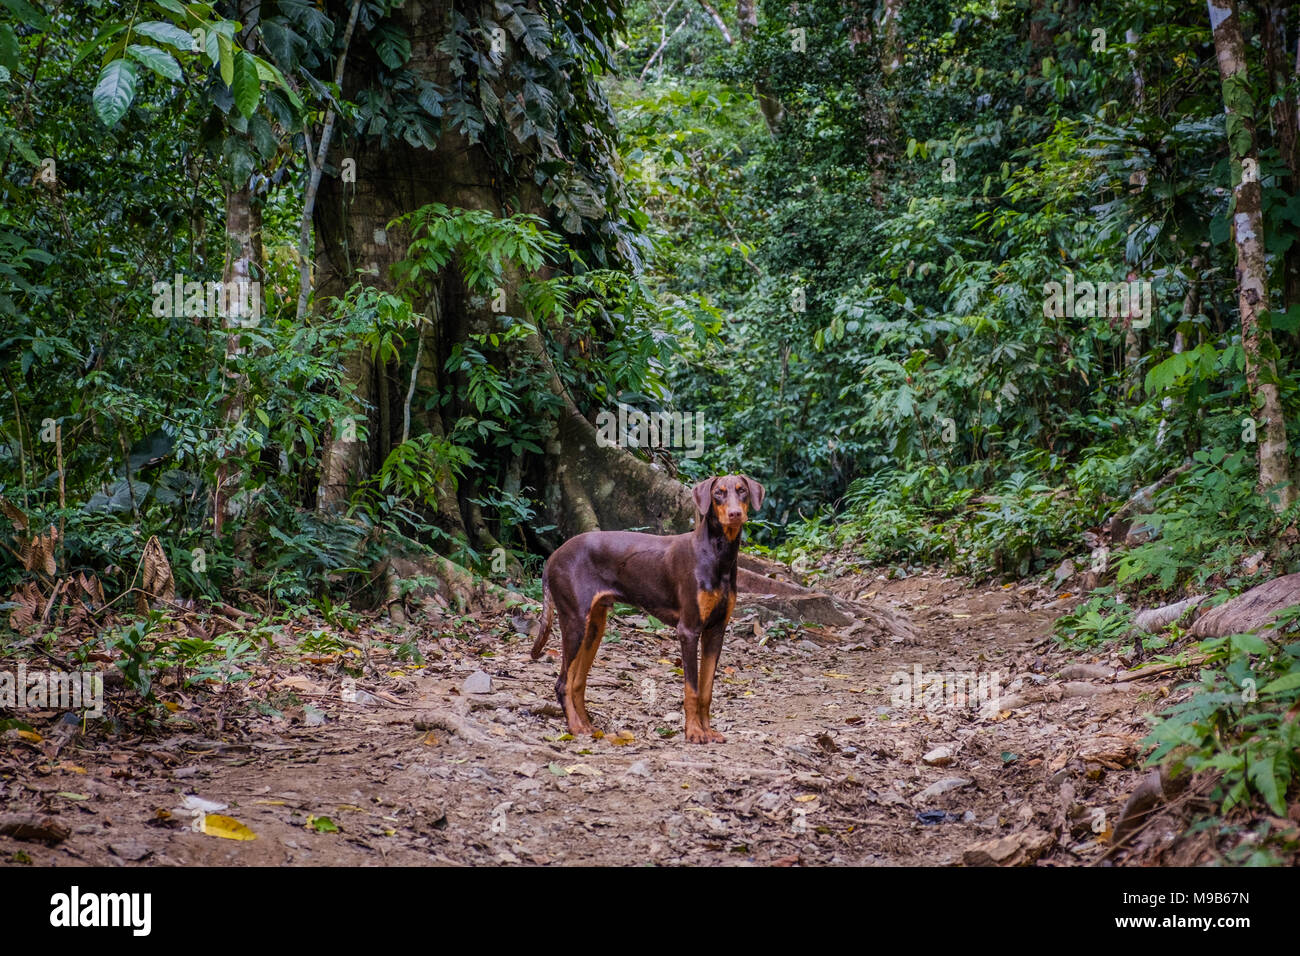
1165,668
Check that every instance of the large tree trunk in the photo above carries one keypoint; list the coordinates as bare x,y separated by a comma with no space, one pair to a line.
1248,229
579,485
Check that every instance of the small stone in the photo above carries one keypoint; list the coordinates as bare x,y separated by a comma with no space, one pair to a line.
943,786
479,682
768,801
968,816
130,850
809,646
938,757
639,769
1064,571
1020,849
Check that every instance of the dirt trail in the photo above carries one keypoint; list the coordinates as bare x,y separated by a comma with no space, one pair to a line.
820,767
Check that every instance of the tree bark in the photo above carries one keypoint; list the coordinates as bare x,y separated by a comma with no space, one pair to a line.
1248,231
240,275
578,485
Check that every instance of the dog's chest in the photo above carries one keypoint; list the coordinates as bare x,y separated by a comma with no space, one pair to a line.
715,605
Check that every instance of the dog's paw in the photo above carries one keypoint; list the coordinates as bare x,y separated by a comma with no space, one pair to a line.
714,737
697,735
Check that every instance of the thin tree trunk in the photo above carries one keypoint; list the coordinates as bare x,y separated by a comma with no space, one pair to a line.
720,23
317,166
240,276
1248,230
1286,126
891,57
771,108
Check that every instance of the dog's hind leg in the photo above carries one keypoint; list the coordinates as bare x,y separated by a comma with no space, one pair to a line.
592,634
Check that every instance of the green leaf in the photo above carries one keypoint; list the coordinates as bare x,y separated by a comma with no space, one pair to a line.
8,47
226,54
246,85
168,33
1263,775
27,14
1250,643
160,61
264,418
1285,682
85,49
114,91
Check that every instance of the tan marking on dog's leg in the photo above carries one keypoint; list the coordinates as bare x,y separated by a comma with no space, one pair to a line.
709,654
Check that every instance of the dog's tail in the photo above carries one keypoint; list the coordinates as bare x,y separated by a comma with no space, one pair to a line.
548,611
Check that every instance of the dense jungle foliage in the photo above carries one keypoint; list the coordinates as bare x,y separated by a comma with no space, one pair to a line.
956,281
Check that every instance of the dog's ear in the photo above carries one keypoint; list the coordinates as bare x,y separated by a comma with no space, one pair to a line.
703,494
756,491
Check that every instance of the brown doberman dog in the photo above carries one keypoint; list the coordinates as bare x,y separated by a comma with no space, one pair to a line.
685,580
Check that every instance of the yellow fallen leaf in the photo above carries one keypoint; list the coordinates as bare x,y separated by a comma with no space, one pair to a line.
228,828
805,798
430,740
836,675
622,738
31,735
171,705
583,770
71,768
598,734
270,803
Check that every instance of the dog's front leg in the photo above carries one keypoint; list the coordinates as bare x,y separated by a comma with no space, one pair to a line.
690,638
710,650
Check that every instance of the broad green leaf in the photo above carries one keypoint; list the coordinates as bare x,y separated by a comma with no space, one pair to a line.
246,86
8,47
94,42
226,53
1250,643
160,61
1285,682
27,14
114,91
167,33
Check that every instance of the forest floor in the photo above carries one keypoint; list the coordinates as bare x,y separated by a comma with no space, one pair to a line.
407,766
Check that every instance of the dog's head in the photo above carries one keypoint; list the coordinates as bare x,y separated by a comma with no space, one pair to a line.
728,498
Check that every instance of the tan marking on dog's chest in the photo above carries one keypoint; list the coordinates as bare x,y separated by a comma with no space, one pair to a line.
708,602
